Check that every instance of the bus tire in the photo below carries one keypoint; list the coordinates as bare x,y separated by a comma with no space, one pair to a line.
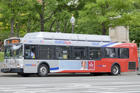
115,70
43,70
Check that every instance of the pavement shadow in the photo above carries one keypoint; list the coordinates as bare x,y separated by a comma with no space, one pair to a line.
56,75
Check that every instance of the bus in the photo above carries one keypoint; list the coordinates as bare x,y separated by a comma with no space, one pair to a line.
46,52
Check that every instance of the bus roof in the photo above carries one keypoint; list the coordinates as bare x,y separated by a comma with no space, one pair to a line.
66,36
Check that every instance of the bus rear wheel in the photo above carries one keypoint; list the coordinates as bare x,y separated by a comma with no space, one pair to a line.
43,70
115,70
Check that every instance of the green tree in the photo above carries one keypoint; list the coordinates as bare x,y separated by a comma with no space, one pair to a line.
13,13
106,13
92,16
135,24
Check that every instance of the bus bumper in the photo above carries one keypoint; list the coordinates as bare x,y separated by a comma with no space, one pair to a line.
12,70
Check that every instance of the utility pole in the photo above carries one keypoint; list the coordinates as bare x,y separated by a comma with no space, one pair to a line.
72,21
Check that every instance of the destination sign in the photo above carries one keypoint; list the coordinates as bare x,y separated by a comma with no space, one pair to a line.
13,41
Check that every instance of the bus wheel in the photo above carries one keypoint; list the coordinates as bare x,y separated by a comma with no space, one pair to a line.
43,70
115,70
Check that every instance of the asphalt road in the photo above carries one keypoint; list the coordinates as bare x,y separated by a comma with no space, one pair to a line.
71,83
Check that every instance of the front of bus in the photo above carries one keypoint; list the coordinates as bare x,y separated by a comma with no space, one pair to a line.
13,56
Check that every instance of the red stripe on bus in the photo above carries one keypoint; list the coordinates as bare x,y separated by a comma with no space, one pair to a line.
76,71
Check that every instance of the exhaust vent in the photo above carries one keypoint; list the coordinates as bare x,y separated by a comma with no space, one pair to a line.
132,65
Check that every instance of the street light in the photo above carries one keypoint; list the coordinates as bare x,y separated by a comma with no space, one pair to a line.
72,21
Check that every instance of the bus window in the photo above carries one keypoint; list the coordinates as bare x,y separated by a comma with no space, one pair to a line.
8,52
30,52
94,53
62,52
18,53
46,52
123,53
110,53
79,53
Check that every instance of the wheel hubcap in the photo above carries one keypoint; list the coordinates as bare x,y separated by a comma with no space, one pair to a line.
43,70
115,70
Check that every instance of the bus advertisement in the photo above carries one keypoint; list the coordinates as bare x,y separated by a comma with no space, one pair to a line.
44,52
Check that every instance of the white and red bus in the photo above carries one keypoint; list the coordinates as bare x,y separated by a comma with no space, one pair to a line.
43,52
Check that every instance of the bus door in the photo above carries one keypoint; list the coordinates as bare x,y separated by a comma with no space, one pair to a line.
94,57
30,56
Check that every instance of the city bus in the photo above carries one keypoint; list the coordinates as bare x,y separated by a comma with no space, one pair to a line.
46,52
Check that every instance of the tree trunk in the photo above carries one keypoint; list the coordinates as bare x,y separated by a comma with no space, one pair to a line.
42,21
52,25
57,26
17,29
28,26
12,27
65,26
103,29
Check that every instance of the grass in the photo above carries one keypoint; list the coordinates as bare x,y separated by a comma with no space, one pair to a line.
1,56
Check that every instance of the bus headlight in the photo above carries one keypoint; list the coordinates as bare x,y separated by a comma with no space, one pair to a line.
4,66
19,66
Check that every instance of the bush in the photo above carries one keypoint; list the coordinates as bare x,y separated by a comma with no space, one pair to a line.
1,56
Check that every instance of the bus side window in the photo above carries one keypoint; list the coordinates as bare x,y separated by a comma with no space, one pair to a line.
110,53
123,52
46,52
94,53
33,54
30,52
62,52
79,53
27,52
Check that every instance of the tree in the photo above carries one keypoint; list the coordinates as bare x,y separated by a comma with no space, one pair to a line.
92,16
135,24
106,13
12,15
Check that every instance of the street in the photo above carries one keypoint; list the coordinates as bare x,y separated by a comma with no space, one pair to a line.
71,83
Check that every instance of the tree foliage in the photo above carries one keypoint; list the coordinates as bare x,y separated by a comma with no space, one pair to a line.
18,17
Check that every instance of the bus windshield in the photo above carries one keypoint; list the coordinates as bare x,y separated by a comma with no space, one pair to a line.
13,52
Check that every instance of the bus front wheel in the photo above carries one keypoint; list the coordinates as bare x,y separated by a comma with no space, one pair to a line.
43,70
115,70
